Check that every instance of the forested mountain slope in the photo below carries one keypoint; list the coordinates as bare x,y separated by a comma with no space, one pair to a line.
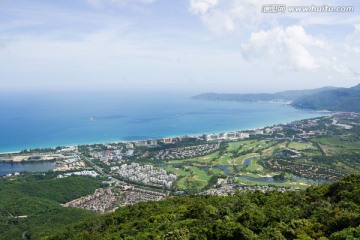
327,211
344,99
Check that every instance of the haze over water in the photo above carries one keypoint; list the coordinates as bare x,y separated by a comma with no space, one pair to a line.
33,120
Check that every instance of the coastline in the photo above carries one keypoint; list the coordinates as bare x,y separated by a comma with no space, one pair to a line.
155,119
171,136
10,152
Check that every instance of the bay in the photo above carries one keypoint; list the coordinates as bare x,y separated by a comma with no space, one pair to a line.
6,168
39,119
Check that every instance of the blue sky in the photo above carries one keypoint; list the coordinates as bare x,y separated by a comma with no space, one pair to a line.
196,45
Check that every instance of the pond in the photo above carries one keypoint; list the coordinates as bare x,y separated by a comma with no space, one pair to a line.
263,179
317,181
224,168
247,161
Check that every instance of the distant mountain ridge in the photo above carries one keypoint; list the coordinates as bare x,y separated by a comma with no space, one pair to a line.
341,99
290,95
326,98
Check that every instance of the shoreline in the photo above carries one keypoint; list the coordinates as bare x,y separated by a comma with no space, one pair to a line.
173,136
13,152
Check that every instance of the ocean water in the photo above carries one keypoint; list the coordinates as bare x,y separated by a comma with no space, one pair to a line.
34,120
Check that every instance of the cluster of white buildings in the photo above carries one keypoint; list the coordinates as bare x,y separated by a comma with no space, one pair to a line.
226,136
144,174
186,152
145,143
101,201
82,173
69,164
10,174
134,196
179,139
108,156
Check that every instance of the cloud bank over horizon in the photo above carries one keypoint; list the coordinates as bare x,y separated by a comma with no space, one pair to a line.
197,45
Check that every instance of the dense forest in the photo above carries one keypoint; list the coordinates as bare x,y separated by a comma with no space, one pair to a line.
329,211
30,206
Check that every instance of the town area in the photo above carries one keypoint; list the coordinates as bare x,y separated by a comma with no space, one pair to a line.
282,157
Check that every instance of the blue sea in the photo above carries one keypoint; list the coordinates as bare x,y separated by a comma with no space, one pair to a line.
40,119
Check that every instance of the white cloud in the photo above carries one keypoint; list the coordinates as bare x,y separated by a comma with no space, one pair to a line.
291,46
97,3
220,22
280,40
230,15
352,43
247,15
202,6
226,16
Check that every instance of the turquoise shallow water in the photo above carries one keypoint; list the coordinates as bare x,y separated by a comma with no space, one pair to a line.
32,120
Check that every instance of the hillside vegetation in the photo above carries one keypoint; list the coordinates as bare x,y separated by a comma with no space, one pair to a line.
329,211
30,206
344,99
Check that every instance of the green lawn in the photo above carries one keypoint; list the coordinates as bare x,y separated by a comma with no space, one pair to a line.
224,159
263,144
202,159
240,160
233,146
269,151
200,174
339,142
248,145
298,184
254,166
195,181
215,171
181,183
331,150
301,146
192,177
176,171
